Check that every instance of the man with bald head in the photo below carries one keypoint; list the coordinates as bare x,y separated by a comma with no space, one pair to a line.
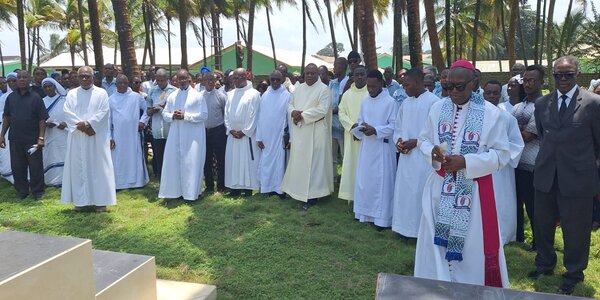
88,178
183,164
241,154
308,175
270,130
25,114
465,141
126,125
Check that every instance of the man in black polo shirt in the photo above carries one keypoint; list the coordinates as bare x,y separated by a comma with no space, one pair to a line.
25,115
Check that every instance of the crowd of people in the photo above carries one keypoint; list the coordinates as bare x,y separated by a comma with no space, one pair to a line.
443,158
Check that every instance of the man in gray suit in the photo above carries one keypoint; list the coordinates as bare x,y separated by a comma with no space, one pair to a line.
565,174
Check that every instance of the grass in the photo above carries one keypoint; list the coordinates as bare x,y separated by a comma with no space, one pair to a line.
257,248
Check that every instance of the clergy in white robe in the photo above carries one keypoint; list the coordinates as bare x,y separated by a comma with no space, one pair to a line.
241,153
126,124
375,170
308,175
504,179
55,137
412,169
88,178
348,111
270,127
465,142
183,163
5,168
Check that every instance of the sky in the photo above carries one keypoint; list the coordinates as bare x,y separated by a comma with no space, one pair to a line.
287,31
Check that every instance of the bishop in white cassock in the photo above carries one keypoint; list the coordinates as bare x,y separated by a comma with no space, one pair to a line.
348,111
183,163
55,137
465,142
126,124
88,178
308,175
272,121
412,169
374,187
241,153
504,179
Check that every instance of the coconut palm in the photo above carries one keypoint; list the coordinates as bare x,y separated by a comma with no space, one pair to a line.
366,26
414,33
399,7
123,29
96,35
436,51
39,14
7,8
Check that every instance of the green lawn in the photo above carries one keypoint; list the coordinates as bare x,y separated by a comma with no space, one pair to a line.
256,248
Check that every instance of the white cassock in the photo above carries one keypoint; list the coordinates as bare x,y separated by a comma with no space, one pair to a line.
5,168
505,190
127,156
88,178
493,154
272,121
412,169
241,155
183,163
55,141
348,111
375,170
308,175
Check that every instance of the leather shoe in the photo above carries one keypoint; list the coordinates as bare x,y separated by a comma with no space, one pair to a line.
537,273
566,289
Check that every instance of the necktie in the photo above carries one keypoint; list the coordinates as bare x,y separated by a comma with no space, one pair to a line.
563,106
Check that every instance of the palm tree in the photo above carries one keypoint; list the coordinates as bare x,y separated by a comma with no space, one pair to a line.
40,13
251,10
447,27
96,36
512,28
475,27
436,51
21,27
398,57
414,33
183,9
331,28
549,27
123,28
82,30
7,7
366,27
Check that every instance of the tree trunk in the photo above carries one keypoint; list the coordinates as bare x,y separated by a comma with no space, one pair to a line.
303,36
153,55
271,35
414,33
331,29
31,49
202,20
238,48
97,36
562,32
345,14
520,33
398,60
536,37
512,29
355,23
436,51
72,50
503,24
169,46
21,25
447,25
2,62
250,35
542,33
549,58
123,28
38,44
366,27
475,28
147,44
214,19
82,31
183,21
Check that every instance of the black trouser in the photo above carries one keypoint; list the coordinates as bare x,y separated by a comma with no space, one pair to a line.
21,162
525,195
575,215
158,151
216,141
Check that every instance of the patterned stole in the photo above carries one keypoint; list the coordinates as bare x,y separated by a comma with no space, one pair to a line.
454,212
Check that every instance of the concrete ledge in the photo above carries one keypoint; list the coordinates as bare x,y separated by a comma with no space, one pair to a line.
177,290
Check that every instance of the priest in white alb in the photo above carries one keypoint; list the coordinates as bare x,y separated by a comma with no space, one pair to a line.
183,162
55,137
412,169
348,111
272,122
465,142
308,174
126,124
375,170
505,189
241,153
88,178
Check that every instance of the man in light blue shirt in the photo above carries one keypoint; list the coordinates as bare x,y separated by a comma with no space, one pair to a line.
336,86
108,82
157,99
391,84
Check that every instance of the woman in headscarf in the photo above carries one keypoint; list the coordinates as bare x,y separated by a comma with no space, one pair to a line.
56,135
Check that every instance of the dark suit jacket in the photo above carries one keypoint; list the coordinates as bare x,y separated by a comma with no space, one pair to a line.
569,146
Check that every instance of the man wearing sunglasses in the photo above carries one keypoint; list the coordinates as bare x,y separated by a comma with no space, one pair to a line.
565,175
466,141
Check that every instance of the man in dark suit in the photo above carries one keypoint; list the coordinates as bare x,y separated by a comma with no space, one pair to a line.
565,175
